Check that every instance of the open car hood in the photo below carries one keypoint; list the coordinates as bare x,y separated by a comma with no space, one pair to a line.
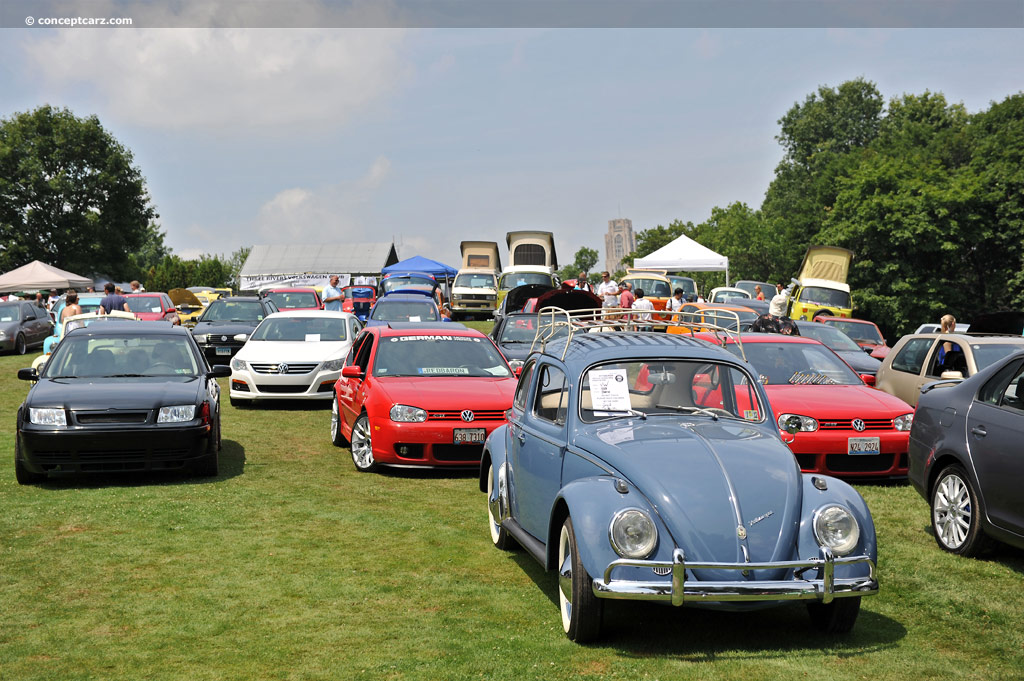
568,299
826,263
182,296
516,298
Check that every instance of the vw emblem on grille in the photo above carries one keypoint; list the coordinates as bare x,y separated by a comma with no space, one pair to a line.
282,368
467,415
223,338
858,425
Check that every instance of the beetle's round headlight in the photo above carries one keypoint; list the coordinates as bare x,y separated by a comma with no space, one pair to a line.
633,533
836,528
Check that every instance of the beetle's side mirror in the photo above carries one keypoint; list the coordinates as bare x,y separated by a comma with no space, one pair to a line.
29,374
219,371
868,379
351,371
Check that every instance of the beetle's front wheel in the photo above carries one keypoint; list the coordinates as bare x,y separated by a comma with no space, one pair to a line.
581,609
837,617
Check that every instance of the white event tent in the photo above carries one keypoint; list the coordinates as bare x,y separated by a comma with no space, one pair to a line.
38,275
684,255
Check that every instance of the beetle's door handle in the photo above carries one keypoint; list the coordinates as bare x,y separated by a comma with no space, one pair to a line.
979,431
522,437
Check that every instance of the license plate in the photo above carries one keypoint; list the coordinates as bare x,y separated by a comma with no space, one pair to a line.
863,445
470,436
223,351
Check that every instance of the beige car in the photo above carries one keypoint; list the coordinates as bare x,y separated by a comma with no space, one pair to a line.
914,361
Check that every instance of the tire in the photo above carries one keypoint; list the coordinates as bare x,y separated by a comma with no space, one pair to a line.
837,617
23,475
20,346
581,610
362,445
499,535
209,465
823,313
337,437
956,513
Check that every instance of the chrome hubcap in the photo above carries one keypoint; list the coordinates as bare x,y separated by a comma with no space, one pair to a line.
362,451
952,511
565,577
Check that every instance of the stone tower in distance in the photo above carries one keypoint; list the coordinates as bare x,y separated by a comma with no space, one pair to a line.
618,242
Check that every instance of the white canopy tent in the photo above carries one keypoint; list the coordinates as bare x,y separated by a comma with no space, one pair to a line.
685,255
38,275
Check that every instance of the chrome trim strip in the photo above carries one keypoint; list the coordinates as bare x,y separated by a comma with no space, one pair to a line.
678,590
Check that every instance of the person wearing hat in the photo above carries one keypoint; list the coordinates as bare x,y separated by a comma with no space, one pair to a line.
52,299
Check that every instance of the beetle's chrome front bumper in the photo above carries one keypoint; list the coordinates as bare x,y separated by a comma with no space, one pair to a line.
824,586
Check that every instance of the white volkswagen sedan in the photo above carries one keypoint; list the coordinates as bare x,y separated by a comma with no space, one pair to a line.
293,355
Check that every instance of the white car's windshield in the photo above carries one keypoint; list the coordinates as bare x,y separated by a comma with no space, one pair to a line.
307,329
669,386
474,281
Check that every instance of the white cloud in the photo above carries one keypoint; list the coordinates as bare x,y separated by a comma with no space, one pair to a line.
222,80
329,214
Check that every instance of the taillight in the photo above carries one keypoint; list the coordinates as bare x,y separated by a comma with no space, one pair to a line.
204,414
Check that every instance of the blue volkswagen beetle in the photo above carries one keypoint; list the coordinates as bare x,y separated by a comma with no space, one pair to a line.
649,467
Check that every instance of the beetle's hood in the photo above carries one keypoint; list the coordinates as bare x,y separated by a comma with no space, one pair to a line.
443,393
706,480
114,393
843,401
225,328
293,351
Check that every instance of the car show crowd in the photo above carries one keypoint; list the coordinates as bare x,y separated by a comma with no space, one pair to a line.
709,439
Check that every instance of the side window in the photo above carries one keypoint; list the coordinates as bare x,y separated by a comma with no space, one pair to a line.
363,358
551,403
1006,388
27,312
954,360
911,357
350,359
519,402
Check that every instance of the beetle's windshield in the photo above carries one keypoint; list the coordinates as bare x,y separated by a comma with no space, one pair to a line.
669,386
434,355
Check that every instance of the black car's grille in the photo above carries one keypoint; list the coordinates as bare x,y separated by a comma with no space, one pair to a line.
871,463
283,389
292,368
118,417
847,424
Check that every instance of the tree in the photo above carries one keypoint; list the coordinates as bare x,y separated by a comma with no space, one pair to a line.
583,261
173,272
69,195
235,264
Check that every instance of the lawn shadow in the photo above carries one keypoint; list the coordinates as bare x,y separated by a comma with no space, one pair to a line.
232,464
1004,554
283,405
638,630
426,473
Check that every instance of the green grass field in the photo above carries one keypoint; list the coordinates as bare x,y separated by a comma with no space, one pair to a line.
291,565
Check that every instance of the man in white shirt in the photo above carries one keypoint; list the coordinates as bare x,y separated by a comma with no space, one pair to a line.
608,290
333,296
646,305
777,308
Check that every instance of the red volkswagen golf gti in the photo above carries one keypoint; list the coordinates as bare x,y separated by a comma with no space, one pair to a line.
420,395
843,427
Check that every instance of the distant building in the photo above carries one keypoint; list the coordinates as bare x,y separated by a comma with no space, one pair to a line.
618,242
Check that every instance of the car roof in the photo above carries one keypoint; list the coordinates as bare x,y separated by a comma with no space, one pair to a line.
237,299
639,274
290,289
120,328
969,339
753,337
421,297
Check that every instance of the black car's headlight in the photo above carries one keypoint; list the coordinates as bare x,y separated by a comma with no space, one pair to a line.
202,338
47,417
176,414
633,534
836,528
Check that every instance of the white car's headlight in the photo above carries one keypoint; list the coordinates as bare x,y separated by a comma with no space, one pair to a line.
633,533
333,365
202,338
238,364
836,528
806,423
47,417
176,414
406,414
903,422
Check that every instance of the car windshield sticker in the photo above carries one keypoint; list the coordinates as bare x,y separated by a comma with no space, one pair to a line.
155,308
609,390
414,318
616,435
751,415
6,319
312,337
444,371
464,339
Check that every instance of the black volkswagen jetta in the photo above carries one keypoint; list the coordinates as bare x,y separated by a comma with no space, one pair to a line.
226,318
120,397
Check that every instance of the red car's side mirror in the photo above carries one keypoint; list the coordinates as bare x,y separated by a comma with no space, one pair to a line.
868,378
351,371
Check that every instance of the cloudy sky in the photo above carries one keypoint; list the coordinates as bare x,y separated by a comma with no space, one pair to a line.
431,136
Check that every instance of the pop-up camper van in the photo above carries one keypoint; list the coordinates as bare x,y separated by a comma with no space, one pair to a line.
475,290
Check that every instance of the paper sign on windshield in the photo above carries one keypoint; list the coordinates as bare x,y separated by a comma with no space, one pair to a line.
609,390
312,337
414,318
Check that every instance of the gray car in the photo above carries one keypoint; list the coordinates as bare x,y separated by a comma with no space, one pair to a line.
22,326
842,345
965,457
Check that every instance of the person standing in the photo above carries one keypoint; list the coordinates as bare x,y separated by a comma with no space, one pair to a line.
582,284
626,298
113,300
137,287
777,308
642,303
759,292
333,296
608,290
71,306
52,299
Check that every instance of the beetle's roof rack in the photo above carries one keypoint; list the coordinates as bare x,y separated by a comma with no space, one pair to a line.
551,320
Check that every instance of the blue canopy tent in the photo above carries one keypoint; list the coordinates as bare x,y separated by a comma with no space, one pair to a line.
418,263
